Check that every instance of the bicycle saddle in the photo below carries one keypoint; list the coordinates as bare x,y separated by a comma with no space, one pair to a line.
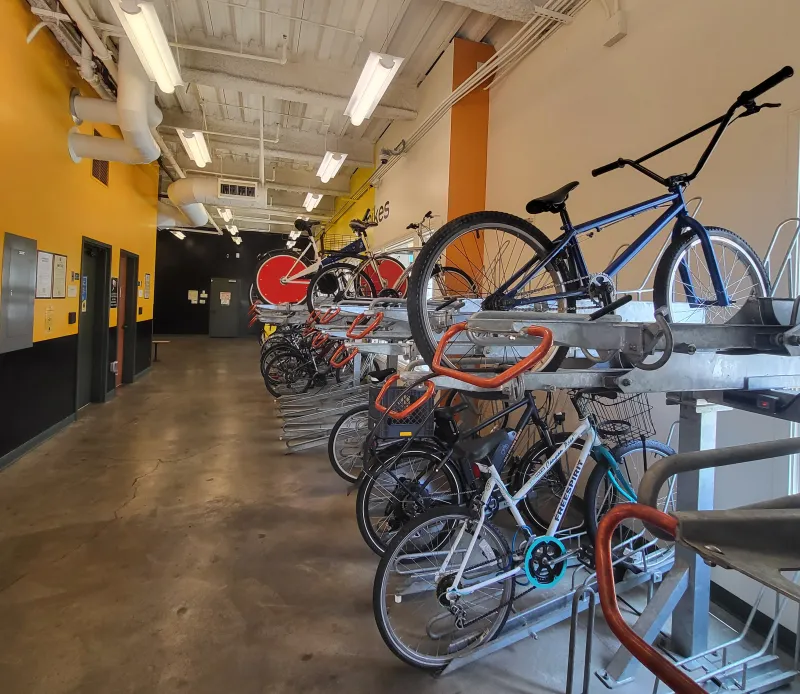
552,202
304,224
473,450
359,226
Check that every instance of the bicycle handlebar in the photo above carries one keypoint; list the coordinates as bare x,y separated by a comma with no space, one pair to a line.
745,99
662,668
502,378
773,81
419,402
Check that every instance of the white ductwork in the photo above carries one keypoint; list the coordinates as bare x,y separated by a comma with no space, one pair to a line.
205,191
193,214
74,10
134,112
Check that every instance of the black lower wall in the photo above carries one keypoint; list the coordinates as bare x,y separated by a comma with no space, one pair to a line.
37,389
191,263
144,345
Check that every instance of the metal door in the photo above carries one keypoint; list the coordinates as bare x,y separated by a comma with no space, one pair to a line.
16,295
87,330
223,320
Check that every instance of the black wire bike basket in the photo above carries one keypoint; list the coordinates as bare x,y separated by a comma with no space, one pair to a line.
420,422
619,418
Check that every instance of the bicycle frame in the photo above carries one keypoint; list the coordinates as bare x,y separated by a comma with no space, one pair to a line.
567,245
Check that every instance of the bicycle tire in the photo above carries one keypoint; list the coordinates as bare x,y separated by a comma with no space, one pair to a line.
379,590
332,456
271,270
557,478
297,354
435,246
450,270
599,477
333,269
667,266
365,494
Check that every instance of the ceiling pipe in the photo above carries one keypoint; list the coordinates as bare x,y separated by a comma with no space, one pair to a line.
133,114
75,11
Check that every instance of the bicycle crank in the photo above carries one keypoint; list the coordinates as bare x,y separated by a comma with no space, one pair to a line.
545,561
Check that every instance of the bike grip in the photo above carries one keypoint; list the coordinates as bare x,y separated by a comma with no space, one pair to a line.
375,323
608,167
783,74
430,389
339,364
502,378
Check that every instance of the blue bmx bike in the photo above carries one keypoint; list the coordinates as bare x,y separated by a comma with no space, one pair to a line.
704,276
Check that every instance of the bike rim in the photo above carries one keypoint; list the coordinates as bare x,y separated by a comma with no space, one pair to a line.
508,249
740,277
348,444
418,625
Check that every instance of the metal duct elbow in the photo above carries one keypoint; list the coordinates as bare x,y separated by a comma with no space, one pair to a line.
193,214
188,196
134,112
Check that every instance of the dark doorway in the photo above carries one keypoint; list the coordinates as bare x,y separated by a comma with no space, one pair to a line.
126,317
223,320
93,323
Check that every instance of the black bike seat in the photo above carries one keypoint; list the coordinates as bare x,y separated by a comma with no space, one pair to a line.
473,450
360,226
304,225
552,202
449,412
380,375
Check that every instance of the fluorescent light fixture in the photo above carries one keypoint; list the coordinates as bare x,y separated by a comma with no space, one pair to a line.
237,240
141,25
196,147
226,214
312,201
331,163
232,228
178,234
290,243
378,72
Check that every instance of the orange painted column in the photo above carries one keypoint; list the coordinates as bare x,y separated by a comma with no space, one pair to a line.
469,139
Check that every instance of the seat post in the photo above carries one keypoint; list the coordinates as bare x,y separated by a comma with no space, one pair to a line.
565,221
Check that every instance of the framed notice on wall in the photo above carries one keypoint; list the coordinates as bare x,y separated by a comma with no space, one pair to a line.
59,276
147,286
44,275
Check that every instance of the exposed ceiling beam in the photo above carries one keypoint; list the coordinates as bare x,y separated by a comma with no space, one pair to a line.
515,10
477,26
294,145
309,83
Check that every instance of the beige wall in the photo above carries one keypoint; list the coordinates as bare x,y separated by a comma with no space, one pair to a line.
419,181
574,105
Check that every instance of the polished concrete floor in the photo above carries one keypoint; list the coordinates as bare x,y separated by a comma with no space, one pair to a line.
164,543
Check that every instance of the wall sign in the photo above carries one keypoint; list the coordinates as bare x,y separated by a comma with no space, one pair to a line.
84,292
225,298
59,276
114,292
147,286
44,275
382,213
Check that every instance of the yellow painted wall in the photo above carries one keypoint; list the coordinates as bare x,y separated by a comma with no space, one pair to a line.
342,229
43,194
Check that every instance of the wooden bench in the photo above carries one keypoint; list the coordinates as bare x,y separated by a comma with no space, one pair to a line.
156,343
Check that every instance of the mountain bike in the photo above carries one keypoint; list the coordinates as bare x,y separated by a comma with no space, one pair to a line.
447,582
705,275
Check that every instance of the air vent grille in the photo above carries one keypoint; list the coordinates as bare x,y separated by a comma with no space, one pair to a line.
237,189
100,167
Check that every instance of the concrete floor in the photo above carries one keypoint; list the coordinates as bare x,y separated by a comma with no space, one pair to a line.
164,543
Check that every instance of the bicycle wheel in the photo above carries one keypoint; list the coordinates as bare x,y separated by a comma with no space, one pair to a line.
539,505
388,275
286,372
453,279
410,606
683,283
602,495
488,247
346,443
415,482
273,269
338,281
